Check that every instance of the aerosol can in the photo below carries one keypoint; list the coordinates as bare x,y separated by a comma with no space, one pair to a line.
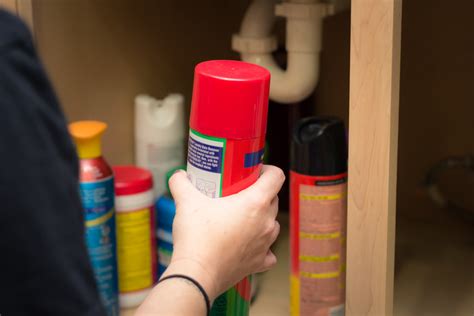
318,209
96,184
226,142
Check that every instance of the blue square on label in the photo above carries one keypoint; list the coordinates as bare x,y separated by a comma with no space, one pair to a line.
253,159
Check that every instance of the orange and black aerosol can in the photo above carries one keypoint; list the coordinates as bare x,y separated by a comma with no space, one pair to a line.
318,209
228,124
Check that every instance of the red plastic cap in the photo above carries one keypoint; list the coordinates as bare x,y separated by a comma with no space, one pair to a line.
131,180
230,99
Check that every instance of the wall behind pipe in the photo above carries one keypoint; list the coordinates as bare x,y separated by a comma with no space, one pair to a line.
436,92
101,54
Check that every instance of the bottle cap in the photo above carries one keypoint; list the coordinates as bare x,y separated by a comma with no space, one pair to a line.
230,99
319,147
132,180
159,121
87,137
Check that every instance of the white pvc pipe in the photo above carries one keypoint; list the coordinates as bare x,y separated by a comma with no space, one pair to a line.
294,84
303,45
259,19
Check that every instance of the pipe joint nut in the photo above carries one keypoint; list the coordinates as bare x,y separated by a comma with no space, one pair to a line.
303,11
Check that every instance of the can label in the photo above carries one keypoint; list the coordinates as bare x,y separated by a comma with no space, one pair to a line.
205,163
136,249
165,249
98,202
220,167
164,258
318,247
165,212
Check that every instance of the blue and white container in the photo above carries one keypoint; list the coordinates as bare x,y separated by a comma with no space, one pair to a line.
165,212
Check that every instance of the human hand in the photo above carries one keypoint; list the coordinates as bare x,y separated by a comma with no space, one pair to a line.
220,241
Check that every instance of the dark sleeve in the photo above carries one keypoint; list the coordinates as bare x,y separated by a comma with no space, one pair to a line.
44,265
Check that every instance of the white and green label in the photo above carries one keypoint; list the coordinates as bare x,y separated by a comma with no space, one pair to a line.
206,163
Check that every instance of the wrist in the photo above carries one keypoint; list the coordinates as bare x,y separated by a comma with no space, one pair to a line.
195,270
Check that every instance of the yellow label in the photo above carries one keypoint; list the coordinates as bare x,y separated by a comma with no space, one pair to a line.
100,220
343,241
320,236
331,197
325,275
333,257
134,250
294,296
343,267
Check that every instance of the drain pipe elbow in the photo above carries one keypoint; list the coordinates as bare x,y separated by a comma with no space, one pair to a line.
291,85
303,44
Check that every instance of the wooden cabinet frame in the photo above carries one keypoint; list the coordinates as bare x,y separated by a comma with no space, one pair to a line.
373,144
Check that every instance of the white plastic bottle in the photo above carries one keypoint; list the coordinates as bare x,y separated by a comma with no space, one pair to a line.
159,136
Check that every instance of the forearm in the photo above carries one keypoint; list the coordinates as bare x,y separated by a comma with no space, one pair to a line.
178,296
173,297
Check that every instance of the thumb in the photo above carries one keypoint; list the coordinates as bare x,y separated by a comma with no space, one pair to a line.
181,187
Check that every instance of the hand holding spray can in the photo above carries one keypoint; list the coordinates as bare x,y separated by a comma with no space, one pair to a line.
318,217
226,142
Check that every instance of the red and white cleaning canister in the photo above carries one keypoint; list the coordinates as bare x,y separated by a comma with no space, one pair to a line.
226,142
135,227
318,185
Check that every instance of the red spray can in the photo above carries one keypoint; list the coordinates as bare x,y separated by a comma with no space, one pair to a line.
318,186
226,142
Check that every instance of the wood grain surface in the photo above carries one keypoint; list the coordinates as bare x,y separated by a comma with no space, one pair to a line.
373,137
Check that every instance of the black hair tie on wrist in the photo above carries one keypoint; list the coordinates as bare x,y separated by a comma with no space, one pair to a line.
196,283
